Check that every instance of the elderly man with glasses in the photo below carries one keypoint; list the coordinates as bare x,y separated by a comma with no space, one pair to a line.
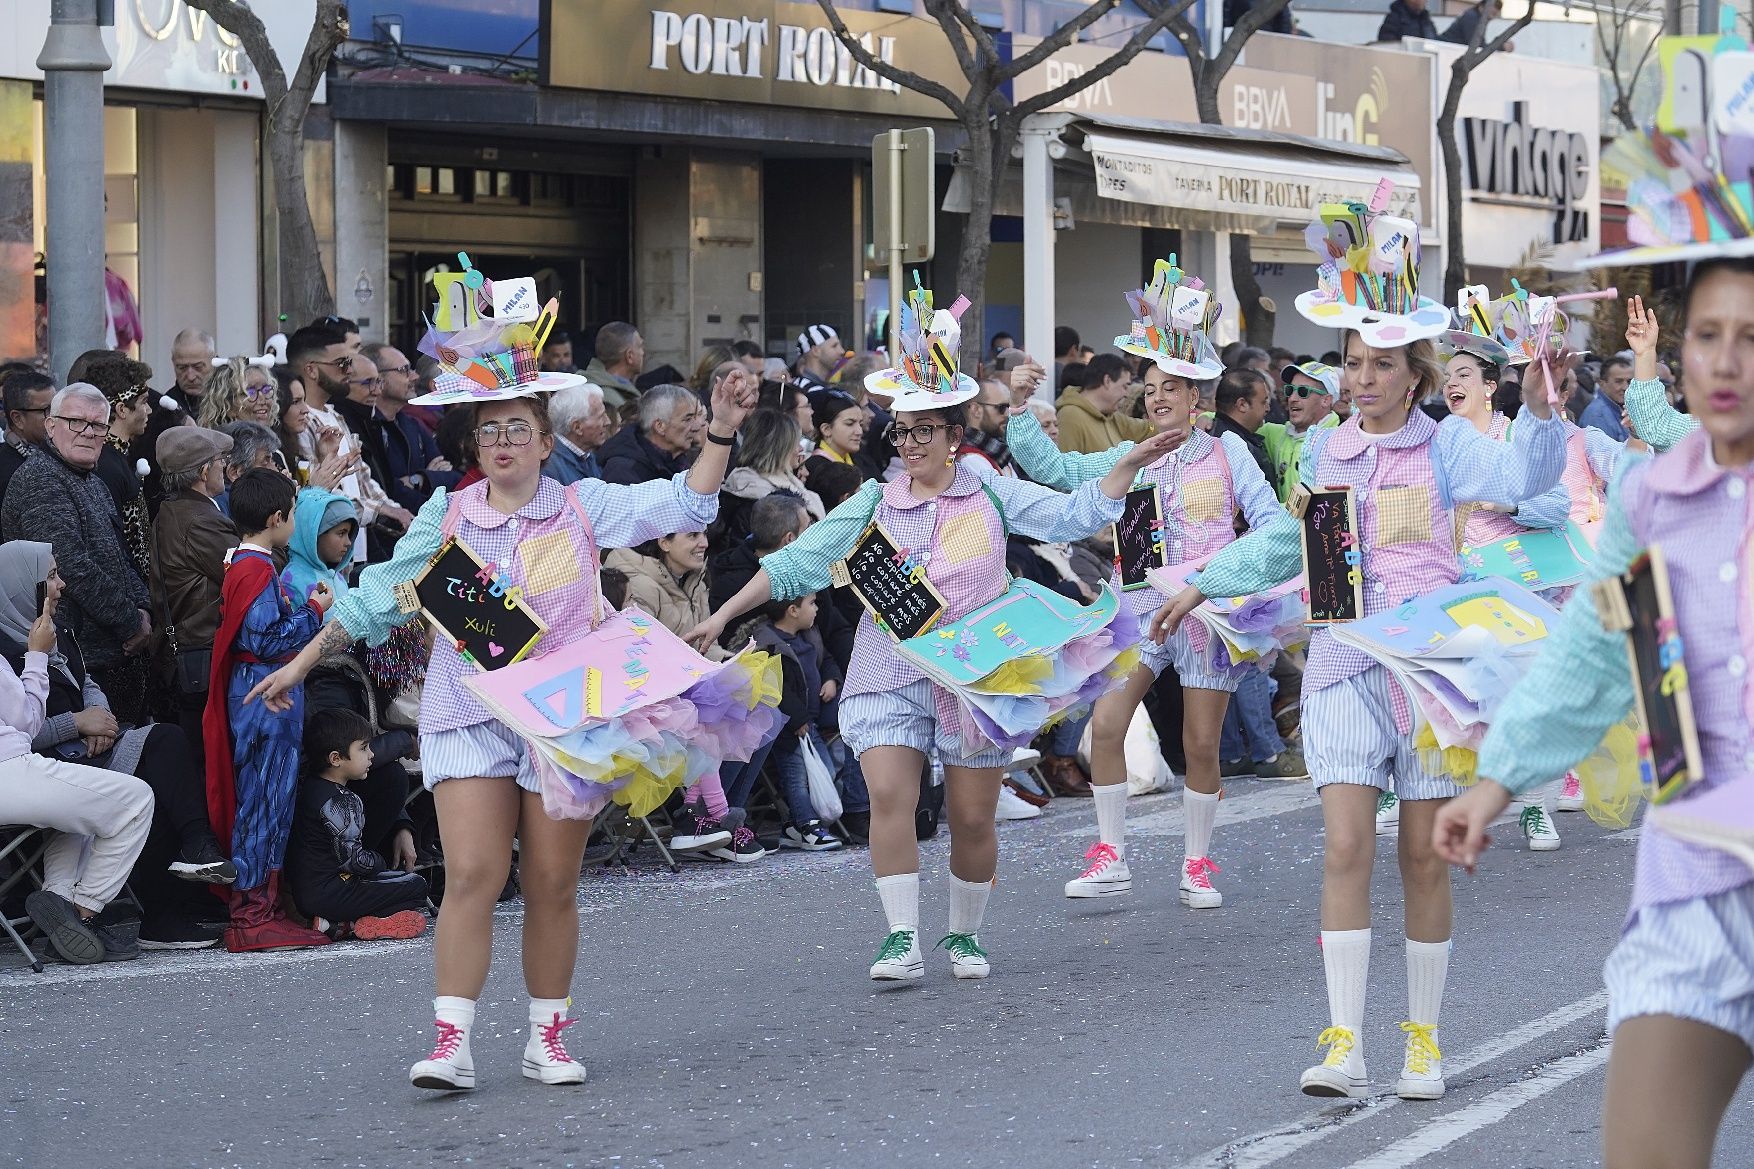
57,500
405,458
326,365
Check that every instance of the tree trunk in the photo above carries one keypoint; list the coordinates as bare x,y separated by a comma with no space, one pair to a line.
987,153
1258,321
304,286
1455,261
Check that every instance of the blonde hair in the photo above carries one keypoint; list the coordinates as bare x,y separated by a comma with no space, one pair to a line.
224,400
1421,358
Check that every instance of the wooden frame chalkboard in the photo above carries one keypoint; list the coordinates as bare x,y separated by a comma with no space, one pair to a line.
1641,605
892,586
457,592
1139,537
1333,571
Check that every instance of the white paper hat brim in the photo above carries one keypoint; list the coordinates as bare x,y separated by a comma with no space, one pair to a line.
1380,330
454,390
1667,254
1455,341
905,395
1200,371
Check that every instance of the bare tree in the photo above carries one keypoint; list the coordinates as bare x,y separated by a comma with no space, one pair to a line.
990,121
1620,24
1455,265
305,292
1208,75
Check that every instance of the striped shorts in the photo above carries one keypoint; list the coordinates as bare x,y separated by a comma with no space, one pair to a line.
481,749
1692,959
908,717
1349,736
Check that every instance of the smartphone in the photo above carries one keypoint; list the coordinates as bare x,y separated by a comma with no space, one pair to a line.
42,596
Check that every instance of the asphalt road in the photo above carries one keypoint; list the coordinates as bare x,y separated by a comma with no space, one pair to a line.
728,1022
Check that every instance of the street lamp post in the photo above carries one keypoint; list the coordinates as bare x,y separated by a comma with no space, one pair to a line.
73,62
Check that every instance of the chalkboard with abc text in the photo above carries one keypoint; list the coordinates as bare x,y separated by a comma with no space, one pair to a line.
890,584
474,607
1332,565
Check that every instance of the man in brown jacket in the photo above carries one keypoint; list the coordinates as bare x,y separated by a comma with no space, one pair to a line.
190,538
1090,421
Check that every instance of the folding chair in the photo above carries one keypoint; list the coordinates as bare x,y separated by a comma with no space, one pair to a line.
22,846
626,832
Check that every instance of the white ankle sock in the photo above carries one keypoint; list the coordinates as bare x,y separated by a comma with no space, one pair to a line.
1346,957
1111,814
458,1012
968,904
1427,970
901,900
542,1011
1199,810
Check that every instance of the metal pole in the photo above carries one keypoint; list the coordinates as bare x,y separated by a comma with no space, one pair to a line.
73,62
896,147
1038,245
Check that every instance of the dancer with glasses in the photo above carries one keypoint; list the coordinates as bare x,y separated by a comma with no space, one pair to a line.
1200,482
951,523
486,785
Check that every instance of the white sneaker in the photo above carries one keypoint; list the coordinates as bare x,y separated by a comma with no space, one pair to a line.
1388,814
545,1056
1196,890
1342,1072
1571,793
1014,807
967,959
1023,759
1106,876
1422,1069
898,959
1538,829
450,1067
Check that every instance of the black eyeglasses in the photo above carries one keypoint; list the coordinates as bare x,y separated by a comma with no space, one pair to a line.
80,425
404,368
921,434
342,363
368,382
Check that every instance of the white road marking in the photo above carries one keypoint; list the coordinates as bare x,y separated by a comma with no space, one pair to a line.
1255,805
1270,1146
1447,1130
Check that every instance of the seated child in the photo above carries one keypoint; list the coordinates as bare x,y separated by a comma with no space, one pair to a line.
809,680
252,752
348,890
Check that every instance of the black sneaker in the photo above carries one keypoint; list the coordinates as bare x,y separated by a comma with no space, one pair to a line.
118,927
202,861
857,826
176,934
700,830
72,938
742,850
811,837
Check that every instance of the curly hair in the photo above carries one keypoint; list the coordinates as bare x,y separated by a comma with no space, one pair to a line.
223,400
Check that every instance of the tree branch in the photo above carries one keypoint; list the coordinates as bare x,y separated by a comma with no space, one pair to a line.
1058,39
983,40
328,31
1250,24
1478,52
247,27
947,25
1112,62
902,77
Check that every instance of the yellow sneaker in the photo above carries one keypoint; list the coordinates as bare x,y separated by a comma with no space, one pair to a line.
1422,1069
1342,1072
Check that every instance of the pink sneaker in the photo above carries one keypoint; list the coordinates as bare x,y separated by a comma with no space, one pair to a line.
545,1056
450,1067
1570,794
1106,876
1196,890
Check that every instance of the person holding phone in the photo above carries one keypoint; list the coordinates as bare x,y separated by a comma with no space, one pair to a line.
100,818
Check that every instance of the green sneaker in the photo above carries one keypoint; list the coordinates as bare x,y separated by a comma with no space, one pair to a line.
898,959
1287,764
1388,814
967,959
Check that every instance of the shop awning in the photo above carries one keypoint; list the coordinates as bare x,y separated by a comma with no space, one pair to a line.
1207,178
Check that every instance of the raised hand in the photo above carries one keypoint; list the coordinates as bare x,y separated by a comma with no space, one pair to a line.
1025,380
1641,336
734,399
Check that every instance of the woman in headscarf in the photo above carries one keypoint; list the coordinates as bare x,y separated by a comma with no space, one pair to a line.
78,727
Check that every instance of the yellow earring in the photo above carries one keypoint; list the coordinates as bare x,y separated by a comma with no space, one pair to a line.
950,459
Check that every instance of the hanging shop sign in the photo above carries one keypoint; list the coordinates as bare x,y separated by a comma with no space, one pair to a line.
1550,169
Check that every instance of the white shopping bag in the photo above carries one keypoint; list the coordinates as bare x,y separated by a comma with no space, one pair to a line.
1147,771
820,777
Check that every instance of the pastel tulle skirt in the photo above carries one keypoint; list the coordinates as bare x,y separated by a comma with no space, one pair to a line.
630,713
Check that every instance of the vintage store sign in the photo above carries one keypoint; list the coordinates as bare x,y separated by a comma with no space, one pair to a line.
1512,159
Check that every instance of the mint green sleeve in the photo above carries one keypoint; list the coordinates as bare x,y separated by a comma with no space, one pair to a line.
1578,687
1654,417
369,609
802,566
1047,464
1270,554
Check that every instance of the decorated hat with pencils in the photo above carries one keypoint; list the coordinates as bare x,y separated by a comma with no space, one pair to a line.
1172,320
1688,176
486,335
1504,331
1368,274
926,377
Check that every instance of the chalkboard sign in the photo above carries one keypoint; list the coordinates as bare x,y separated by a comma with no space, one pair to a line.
1332,566
890,584
1641,605
475,607
1139,537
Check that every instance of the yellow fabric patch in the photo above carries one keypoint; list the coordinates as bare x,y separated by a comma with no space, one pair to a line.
965,538
1403,515
1203,499
550,562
